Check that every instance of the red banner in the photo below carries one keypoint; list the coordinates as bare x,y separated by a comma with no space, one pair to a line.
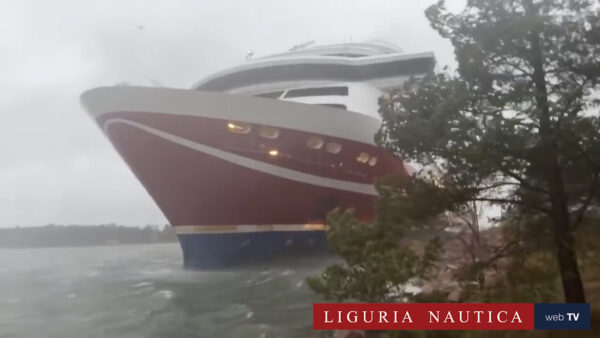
423,316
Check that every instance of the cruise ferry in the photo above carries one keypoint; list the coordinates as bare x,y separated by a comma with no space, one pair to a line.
247,163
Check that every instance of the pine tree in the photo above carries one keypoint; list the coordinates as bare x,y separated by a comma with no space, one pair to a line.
517,124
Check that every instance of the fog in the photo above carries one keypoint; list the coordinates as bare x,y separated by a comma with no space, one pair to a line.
57,167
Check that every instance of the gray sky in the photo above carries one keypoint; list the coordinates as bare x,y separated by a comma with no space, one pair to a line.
55,164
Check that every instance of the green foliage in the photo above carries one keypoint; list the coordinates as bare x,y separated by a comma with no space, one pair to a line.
525,273
517,124
485,123
376,265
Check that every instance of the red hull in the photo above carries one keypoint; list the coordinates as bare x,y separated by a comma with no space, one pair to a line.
196,188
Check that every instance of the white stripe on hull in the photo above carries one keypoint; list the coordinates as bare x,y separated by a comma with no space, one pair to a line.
249,163
221,229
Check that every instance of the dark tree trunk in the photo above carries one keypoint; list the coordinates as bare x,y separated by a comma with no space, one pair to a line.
567,261
563,234
565,241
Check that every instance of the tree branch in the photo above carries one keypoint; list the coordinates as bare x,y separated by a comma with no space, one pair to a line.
522,181
569,99
580,213
500,253
509,201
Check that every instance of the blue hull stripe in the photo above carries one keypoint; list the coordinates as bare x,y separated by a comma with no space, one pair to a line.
217,250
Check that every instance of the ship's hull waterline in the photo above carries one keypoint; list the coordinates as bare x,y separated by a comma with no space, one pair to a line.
242,179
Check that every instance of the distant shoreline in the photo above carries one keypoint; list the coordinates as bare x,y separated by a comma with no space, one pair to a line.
56,236
82,246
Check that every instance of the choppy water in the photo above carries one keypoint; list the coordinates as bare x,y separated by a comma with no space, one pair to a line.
142,291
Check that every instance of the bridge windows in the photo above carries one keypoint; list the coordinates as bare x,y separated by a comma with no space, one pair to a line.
317,91
332,105
348,55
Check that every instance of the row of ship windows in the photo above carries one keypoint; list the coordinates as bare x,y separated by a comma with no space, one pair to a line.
317,91
313,142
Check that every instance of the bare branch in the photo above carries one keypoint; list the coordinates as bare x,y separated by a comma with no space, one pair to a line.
511,201
580,213
524,183
500,252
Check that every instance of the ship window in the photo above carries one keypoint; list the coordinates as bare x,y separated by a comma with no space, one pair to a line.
373,161
333,105
239,127
349,55
314,142
362,157
320,91
271,95
333,147
268,132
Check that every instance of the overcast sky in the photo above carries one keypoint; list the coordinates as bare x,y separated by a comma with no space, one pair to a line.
55,164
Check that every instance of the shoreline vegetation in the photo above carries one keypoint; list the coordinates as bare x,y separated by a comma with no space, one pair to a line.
508,139
51,235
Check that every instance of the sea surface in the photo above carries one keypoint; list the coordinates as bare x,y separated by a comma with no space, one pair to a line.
143,291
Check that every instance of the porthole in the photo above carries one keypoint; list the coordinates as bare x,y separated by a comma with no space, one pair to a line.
373,161
239,127
314,142
333,147
268,132
362,157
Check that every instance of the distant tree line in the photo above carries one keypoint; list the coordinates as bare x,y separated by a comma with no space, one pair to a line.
80,235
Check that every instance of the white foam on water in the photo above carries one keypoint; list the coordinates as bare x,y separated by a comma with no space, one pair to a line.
167,294
142,284
268,279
